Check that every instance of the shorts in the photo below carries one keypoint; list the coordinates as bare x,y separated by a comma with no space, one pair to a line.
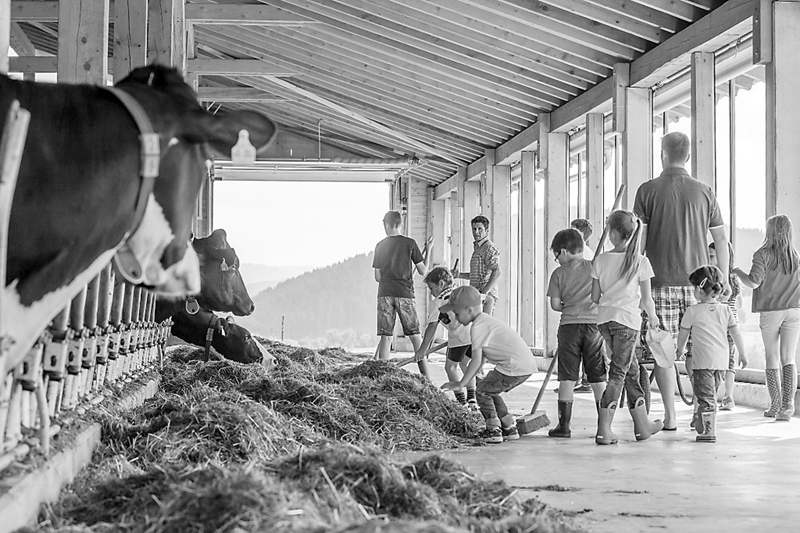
458,353
783,320
580,342
388,309
671,304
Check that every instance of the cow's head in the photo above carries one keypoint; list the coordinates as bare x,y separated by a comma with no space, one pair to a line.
222,286
241,347
158,249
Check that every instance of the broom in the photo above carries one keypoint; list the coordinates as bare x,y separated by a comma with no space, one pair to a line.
538,420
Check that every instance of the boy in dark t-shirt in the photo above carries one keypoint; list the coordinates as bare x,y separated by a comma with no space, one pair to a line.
396,258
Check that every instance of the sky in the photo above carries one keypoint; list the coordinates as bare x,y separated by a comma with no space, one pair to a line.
300,223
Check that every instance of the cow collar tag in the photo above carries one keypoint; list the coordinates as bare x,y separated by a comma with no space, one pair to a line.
125,259
212,324
192,307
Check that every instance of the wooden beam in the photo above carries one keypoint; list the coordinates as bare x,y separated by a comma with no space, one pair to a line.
30,65
487,188
472,202
236,94
501,237
527,140
704,117
527,217
244,14
637,160
130,36
622,80
595,177
356,116
438,215
20,42
34,11
456,230
444,189
83,41
5,43
556,217
159,35
762,32
595,100
237,67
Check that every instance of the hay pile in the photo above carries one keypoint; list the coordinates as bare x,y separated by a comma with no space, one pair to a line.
224,447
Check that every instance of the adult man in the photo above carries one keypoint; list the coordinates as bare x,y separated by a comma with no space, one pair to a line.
484,266
677,211
396,258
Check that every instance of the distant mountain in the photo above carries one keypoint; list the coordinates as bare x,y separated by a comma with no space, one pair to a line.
255,274
335,300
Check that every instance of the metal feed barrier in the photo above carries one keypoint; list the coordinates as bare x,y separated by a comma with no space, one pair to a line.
105,338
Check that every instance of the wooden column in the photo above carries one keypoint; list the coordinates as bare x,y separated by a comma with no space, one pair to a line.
472,196
556,217
783,128
82,41
166,39
637,142
487,186
527,214
130,36
417,229
501,221
439,225
595,138
5,35
456,231
703,118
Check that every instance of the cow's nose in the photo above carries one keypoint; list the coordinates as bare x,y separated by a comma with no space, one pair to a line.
252,308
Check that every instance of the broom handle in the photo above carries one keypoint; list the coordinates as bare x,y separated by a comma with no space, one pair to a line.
544,383
617,201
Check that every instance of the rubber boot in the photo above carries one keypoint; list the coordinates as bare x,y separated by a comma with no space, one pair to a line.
643,429
604,418
564,415
788,388
709,422
774,388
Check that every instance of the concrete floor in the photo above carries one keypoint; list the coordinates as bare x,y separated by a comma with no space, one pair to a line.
746,481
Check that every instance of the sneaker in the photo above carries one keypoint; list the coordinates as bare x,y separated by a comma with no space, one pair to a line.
473,405
727,404
510,433
492,435
582,388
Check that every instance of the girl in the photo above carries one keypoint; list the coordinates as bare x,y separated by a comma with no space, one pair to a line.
709,322
621,281
734,303
440,282
775,276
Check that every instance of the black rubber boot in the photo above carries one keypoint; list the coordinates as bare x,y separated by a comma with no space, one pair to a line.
564,415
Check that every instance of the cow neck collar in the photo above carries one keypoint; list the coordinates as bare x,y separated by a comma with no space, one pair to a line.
150,150
210,330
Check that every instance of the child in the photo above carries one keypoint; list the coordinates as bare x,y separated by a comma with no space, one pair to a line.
579,339
621,281
440,283
497,343
734,303
586,229
775,276
709,322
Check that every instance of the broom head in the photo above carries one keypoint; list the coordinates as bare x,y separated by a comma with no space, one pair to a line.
530,423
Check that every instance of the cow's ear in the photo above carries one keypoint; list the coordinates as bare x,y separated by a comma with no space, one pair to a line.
222,132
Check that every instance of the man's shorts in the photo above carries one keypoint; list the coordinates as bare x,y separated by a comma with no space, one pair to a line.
581,342
671,304
458,353
388,309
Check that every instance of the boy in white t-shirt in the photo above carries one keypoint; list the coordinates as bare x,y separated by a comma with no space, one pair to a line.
440,282
495,342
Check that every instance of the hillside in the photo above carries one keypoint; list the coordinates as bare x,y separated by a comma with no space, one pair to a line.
335,304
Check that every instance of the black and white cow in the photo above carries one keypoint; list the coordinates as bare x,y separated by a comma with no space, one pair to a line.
80,198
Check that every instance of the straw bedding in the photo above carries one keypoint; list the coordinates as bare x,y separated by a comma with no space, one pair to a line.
226,447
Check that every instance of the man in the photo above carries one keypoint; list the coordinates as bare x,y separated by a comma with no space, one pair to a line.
484,266
677,211
396,258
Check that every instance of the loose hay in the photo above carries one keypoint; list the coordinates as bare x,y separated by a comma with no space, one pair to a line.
226,447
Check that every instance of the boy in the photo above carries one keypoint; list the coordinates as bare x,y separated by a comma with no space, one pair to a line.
484,265
497,343
586,229
395,259
579,339
440,283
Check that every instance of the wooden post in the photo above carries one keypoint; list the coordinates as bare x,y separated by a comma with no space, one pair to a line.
527,215
130,36
704,118
487,186
783,134
501,221
556,218
595,152
456,231
637,141
5,35
166,39
82,41
439,228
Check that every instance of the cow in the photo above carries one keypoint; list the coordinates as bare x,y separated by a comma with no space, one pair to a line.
81,197
221,285
230,340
